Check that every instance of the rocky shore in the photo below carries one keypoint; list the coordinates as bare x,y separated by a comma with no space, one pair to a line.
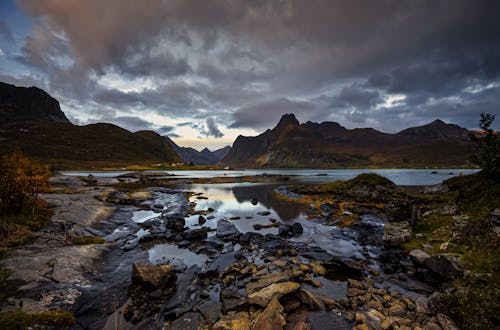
315,273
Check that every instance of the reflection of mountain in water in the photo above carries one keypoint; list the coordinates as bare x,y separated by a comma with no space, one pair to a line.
266,196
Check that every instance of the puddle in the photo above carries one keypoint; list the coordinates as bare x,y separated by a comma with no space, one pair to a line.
163,253
143,216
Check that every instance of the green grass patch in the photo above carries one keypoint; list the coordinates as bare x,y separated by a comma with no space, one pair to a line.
86,240
19,319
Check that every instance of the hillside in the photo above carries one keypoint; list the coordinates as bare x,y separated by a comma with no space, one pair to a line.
195,157
33,122
329,145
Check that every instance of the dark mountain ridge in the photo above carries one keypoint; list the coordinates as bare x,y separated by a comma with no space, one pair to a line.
330,145
203,157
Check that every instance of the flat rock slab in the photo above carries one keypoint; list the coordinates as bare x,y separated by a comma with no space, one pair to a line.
264,296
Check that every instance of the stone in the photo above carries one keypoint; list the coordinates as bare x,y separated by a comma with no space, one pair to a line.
290,303
437,189
445,322
201,220
398,210
190,320
422,306
153,277
176,224
318,269
264,213
268,279
195,234
233,299
396,233
265,295
233,321
427,247
419,257
398,308
310,300
272,317
226,230
210,310
445,265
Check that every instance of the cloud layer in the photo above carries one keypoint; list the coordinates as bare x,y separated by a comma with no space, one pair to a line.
386,64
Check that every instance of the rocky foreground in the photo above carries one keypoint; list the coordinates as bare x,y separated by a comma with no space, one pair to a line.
312,274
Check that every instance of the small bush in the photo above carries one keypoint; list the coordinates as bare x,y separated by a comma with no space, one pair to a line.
85,240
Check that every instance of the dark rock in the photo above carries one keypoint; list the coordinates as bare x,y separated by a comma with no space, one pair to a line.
254,201
398,210
176,224
445,265
264,213
118,197
211,310
201,220
188,321
227,230
195,234
233,299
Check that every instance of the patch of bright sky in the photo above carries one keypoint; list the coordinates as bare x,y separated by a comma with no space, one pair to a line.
391,101
478,88
113,80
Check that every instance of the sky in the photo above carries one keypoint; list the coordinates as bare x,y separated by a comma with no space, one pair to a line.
204,72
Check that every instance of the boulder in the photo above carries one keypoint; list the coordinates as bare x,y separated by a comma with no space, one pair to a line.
175,223
153,277
272,317
226,230
265,295
195,234
419,256
396,233
445,265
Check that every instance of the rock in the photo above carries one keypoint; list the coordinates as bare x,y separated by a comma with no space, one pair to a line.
201,220
233,299
264,213
445,265
195,234
175,223
396,233
310,300
272,317
290,230
419,256
227,230
290,303
254,201
153,277
190,320
210,310
398,210
445,322
437,189
118,197
422,306
427,247
265,295
268,279
233,321
398,308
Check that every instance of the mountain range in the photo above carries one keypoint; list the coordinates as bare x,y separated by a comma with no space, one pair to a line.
32,121
328,144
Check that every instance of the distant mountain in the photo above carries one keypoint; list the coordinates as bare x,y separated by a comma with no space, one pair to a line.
329,145
33,122
204,157
20,105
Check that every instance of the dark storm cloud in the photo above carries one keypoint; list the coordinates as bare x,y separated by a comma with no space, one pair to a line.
249,62
212,129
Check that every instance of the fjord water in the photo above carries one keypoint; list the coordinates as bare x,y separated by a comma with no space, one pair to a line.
403,177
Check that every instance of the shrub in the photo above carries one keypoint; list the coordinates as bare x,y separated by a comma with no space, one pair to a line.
20,178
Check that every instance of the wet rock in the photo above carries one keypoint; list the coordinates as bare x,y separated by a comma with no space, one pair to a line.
272,317
268,279
347,267
265,295
118,197
201,220
398,308
259,226
328,320
195,234
152,277
211,310
419,256
227,230
445,265
396,233
264,213
233,299
233,321
254,201
310,300
290,303
188,321
176,224
290,230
